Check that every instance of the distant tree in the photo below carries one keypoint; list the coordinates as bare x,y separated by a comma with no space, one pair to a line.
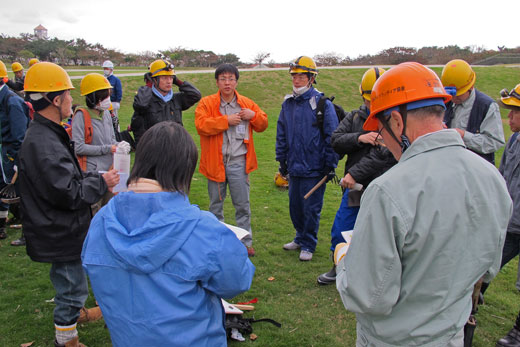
328,59
260,57
228,58
26,55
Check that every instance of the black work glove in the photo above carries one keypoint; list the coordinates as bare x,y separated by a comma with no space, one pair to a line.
283,168
331,175
177,81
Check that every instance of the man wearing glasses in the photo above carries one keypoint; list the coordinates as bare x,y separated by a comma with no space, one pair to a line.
160,103
474,115
304,152
225,122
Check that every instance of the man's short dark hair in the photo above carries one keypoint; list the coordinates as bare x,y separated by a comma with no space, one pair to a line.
166,153
226,68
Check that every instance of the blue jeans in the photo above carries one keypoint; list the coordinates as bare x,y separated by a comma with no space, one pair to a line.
511,249
305,214
344,221
70,282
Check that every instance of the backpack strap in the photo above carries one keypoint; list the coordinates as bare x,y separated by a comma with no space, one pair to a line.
320,112
88,130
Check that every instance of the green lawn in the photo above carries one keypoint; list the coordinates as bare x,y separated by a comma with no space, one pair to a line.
311,315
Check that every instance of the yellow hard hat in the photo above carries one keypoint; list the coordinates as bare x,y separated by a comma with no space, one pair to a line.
162,67
93,82
33,61
3,70
47,77
367,81
303,64
510,99
459,74
16,66
281,181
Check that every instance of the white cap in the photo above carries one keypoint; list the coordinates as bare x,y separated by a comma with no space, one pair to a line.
108,64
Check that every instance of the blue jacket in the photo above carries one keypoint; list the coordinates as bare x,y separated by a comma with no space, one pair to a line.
117,88
13,122
299,141
158,267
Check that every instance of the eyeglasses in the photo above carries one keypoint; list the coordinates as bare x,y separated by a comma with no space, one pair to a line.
221,79
506,94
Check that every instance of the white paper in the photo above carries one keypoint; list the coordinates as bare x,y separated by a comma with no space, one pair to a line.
239,232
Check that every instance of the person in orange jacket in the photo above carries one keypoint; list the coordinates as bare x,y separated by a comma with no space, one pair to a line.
225,122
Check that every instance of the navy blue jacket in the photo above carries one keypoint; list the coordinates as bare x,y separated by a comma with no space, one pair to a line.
13,122
299,141
117,88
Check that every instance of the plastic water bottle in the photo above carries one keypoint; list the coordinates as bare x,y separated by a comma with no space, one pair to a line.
122,165
122,162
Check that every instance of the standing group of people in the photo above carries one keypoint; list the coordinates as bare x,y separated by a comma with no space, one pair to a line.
429,217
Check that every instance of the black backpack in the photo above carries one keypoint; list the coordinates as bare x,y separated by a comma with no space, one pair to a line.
320,111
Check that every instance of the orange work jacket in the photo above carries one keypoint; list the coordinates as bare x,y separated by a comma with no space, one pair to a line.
211,124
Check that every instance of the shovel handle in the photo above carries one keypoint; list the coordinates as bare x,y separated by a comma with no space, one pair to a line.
313,189
15,176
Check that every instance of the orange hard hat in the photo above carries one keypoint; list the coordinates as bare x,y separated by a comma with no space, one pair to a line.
404,84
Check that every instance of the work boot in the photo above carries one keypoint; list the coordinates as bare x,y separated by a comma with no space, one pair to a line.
71,343
328,277
89,314
512,339
19,242
291,246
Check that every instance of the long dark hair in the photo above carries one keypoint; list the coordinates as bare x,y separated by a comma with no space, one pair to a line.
166,153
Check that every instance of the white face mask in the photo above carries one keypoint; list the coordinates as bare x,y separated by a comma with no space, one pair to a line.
105,104
301,90
106,72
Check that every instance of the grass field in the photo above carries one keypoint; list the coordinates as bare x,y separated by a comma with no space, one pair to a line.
310,315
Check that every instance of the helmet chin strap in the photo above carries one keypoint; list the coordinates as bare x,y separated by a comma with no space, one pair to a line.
57,107
405,141
156,84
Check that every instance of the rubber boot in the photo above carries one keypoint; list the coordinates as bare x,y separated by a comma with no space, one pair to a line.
469,331
512,339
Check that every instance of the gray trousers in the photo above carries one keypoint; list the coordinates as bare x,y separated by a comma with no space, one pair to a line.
238,182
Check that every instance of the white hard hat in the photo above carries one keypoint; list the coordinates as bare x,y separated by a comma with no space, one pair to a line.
108,64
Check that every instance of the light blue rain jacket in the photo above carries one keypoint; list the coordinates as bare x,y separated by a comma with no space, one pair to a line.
158,267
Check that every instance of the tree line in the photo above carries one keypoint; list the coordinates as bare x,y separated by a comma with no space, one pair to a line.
79,52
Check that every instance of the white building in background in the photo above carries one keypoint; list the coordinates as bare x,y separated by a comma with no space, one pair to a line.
40,32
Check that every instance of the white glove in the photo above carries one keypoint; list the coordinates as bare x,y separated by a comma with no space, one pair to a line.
123,147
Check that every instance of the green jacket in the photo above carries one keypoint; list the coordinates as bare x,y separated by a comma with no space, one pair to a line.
427,230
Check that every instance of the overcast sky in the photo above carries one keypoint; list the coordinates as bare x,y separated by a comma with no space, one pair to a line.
286,29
